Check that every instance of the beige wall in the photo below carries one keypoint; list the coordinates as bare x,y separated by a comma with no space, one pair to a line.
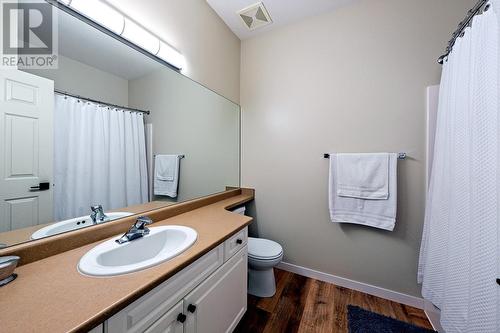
78,78
212,51
352,80
192,120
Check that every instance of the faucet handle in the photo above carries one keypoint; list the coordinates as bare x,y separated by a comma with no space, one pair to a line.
96,208
142,222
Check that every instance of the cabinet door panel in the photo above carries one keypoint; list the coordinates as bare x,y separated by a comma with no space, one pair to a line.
221,300
139,315
168,322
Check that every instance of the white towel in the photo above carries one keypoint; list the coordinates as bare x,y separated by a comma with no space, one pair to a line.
166,179
374,213
364,176
165,166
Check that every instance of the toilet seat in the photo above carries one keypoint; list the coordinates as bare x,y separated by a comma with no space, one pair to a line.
263,249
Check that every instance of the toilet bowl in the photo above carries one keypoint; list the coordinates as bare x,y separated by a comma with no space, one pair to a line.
263,255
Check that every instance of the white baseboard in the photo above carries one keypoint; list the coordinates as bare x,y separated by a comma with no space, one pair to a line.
434,315
395,296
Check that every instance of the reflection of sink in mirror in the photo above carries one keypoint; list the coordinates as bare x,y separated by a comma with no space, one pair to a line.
73,224
161,244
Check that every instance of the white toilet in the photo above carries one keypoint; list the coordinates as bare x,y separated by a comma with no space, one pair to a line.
263,255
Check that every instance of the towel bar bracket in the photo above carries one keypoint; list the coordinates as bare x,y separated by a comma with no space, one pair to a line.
401,156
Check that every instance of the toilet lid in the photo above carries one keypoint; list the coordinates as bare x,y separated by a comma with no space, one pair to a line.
260,248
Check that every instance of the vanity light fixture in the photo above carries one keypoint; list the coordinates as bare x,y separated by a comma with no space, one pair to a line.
101,13
113,20
141,37
171,55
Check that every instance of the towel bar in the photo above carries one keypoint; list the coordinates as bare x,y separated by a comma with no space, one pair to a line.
180,156
401,156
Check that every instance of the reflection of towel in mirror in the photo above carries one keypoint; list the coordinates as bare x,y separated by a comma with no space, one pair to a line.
166,177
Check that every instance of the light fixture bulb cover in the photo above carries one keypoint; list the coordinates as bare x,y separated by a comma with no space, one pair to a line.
101,13
141,37
171,55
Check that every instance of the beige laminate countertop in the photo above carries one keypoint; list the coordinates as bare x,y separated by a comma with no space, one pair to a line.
50,295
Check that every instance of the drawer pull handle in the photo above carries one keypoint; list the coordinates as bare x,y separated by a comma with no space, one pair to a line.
239,241
191,308
181,318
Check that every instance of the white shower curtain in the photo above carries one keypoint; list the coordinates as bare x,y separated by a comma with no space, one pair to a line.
99,158
460,252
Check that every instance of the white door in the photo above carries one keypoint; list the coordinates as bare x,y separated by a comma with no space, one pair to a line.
217,305
26,149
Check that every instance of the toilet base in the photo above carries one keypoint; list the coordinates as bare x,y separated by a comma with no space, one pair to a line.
261,283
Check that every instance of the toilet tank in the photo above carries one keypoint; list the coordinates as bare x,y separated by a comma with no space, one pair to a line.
240,210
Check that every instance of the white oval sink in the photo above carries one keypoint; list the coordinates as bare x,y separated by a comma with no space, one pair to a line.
162,243
73,224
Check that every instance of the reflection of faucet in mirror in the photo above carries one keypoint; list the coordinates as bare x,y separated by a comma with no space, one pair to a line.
98,215
137,230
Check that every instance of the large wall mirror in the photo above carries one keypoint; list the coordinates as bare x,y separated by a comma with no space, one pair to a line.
111,128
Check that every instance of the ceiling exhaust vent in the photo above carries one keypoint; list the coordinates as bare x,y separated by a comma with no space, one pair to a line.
255,16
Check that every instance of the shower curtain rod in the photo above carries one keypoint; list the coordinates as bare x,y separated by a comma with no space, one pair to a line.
461,27
60,92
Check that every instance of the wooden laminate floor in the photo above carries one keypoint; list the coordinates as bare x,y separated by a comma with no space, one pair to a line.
302,305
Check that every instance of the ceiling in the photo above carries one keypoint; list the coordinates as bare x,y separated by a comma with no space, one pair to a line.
282,12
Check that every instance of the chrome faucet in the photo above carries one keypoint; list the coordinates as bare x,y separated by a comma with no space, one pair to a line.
7,267
97,216
137,230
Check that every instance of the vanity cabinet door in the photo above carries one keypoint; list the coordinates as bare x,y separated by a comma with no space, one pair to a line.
170,322
217,305
141,314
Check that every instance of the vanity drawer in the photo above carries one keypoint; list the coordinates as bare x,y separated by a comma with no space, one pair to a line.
138,316
235,243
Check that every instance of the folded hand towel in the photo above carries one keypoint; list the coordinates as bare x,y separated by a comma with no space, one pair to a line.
166,178
165,167
375,213
364,176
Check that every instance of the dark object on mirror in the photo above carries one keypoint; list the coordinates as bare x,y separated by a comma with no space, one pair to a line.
498,281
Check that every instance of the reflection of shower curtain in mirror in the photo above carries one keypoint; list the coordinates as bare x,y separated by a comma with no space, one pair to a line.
99,158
